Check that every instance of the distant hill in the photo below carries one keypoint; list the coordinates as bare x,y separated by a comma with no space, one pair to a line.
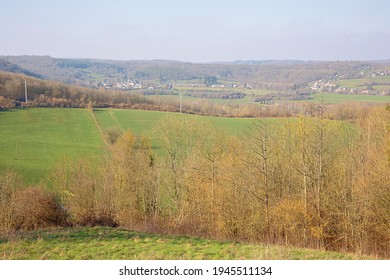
7,66
278,74
269,62
71,71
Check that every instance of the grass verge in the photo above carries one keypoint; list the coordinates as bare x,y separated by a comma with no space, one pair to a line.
102,243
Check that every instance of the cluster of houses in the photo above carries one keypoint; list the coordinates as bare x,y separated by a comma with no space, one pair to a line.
130,85
126,85
227,85
322,86
233,85
380,73
330,87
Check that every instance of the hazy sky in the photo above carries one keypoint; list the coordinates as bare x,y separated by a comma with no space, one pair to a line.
197,31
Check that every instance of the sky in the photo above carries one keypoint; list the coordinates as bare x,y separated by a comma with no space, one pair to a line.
197,31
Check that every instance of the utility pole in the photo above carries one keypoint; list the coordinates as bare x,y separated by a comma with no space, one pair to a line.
25,89
180,102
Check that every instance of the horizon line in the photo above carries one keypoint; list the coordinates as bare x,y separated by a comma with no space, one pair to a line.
206,62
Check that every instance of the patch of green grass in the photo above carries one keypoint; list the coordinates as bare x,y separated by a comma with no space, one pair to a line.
339,98
103,243
33,140
381,87
187,93
104,118
138,121
96,76
226,90
353,83
142,122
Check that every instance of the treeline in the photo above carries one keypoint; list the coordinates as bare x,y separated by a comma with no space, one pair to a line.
43,93
217,95
307,181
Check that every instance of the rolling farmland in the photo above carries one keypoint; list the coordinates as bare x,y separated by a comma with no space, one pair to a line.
142,122
34,139
38,139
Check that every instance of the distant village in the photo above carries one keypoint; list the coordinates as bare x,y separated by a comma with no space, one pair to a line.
320,86
330,86
136,85
126,85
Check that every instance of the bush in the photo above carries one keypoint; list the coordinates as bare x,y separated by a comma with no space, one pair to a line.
10,182
34,208
113,134
26,208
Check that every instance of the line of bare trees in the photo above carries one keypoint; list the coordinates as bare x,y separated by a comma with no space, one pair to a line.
307,181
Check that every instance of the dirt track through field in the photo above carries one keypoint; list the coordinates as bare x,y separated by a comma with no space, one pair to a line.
116,120
99,127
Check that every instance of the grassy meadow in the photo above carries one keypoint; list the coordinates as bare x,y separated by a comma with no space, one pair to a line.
33,140
340,98
142,122
102,243
363,82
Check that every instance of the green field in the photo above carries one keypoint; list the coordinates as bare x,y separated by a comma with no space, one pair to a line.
339,98
142,122
103,243
33,140
245,100
353,83
222,90
37,138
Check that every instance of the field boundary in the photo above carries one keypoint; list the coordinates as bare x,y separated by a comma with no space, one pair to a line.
112,115
99,127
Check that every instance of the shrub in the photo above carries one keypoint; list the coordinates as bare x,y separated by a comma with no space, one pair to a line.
34,208
10,182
